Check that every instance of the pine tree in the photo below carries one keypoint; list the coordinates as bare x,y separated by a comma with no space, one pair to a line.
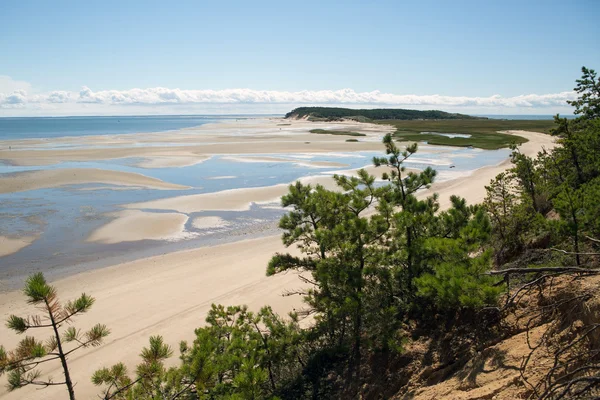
21,363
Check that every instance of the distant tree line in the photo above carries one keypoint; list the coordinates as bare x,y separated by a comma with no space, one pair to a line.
333,113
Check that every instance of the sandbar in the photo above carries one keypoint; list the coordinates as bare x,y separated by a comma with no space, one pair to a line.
11,244
39,179
186,146
226,200
304,162
173,161
134,225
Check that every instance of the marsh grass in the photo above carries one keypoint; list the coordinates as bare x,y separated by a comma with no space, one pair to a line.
340,133
484,132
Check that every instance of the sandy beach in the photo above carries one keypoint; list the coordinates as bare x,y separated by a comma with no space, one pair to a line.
170,294
166,295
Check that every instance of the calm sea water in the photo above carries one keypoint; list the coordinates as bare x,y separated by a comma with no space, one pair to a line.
50,127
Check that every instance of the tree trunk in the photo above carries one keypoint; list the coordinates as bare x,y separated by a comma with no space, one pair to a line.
61,354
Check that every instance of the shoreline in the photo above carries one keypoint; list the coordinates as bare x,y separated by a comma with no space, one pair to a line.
261,137
170,294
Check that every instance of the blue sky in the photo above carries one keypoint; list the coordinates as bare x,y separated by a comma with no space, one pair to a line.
473,49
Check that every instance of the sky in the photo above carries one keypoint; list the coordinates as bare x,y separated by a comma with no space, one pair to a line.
226,57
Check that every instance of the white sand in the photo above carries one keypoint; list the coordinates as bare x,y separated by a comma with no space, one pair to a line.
10,244
134,225
170,294
30,180
166,295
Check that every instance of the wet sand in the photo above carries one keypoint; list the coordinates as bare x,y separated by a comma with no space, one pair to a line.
30,180
174,161
181,147
170,294
9,245
209,222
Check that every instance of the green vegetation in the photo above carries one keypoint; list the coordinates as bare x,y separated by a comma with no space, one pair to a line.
332,132
485,141
429,126
385,268
22,363
335,113
484,132
351,140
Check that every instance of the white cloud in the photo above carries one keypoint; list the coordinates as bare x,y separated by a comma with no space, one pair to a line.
59,97
17,94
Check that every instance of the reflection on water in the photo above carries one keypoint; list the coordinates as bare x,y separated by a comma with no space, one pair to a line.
449,135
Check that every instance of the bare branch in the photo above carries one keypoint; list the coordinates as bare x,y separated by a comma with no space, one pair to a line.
544,269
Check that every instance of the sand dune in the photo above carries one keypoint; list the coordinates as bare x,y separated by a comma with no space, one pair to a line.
31,180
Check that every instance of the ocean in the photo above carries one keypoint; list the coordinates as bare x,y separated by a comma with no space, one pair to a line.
14,128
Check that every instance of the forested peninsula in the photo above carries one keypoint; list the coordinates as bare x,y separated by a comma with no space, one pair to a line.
335,113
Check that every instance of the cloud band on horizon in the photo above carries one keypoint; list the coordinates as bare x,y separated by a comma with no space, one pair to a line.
19,96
